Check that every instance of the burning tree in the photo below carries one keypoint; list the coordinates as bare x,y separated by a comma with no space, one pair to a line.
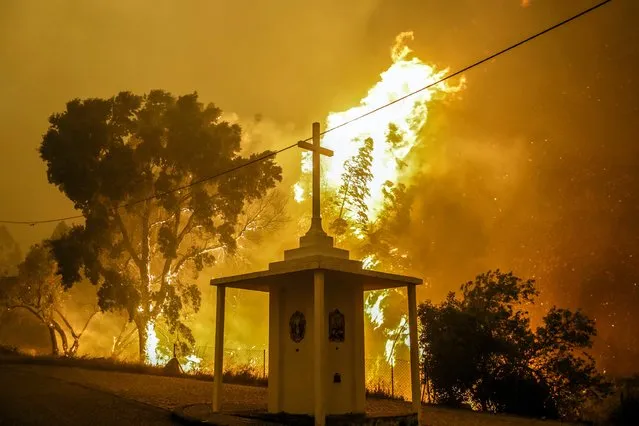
120,161
369,178
353,193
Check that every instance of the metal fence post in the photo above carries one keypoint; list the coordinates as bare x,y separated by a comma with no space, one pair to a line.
392,381
264,363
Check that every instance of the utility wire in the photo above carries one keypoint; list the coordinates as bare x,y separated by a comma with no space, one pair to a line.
37,222
475,64
162,194
346,123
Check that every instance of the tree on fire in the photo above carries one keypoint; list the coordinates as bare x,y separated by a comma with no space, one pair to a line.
352,194
143,243
38,290
481,349
377,240
349,211
383,240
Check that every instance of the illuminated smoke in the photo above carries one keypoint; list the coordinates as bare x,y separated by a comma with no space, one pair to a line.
406,75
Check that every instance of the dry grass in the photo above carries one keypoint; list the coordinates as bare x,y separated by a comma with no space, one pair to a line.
439,416
239,375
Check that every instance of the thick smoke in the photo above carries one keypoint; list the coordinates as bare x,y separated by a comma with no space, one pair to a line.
533,169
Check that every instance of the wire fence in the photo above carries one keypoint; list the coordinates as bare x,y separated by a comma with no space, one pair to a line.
388,380
249,361
382,378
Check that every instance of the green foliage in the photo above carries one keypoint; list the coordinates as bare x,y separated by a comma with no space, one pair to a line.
481,349
112,158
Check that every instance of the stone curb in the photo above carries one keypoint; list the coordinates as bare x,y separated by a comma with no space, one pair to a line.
178,414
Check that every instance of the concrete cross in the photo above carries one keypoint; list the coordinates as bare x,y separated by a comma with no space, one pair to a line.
317,150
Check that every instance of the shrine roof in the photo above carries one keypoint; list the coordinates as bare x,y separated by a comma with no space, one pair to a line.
344,270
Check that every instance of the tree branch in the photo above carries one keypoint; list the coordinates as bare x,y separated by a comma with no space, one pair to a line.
86,324
127,240
145,259
122,343
167,261
253,219
187,228
191,255
66,322
30,309
63,336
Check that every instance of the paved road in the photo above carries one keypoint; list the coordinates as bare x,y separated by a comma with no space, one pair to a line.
30,399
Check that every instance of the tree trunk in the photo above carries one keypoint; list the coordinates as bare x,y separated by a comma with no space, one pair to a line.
142,338
76,337
74,347
123,340
54,342
63,337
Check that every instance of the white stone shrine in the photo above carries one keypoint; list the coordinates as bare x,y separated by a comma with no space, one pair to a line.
316,321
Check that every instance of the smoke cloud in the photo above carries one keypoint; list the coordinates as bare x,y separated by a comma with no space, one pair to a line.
533,167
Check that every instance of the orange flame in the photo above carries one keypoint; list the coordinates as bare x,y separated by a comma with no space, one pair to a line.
406,75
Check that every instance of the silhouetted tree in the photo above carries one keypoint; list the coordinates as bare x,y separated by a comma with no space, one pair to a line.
352,196
481,349
376,240
37,289
383,239
144,243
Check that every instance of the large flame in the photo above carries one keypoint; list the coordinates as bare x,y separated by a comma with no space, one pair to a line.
154,353
192,364
406,118
406,75
151,344
373,307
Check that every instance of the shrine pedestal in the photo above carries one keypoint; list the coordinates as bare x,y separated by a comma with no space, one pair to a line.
316,332
292,344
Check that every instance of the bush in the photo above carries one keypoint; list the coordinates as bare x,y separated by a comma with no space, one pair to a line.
9,350
480,349
626,413
246,375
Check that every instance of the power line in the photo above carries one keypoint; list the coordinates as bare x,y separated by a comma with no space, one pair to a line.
162,194
473,65
37,222
215,176
366,114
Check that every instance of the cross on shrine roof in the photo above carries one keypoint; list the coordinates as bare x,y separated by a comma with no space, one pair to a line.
317,150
